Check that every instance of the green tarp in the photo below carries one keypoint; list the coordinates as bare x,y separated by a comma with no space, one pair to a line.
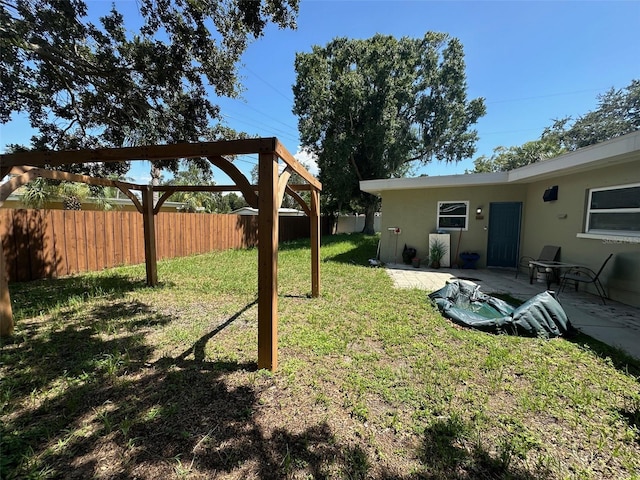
464,303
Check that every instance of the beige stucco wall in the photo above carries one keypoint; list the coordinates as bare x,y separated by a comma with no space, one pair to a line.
558,222
415,212
544,223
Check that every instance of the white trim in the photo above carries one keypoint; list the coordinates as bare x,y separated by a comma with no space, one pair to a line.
376,186
465,216
590,210
610,238
618,150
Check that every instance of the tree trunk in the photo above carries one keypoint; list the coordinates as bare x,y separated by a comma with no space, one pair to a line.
370,211
156,174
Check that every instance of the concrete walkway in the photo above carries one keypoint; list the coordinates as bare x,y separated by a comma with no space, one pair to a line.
615,324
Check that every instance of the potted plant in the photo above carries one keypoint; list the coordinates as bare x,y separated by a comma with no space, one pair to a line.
437,250
415,261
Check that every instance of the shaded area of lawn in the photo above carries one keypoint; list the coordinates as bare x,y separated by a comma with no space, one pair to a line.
106,378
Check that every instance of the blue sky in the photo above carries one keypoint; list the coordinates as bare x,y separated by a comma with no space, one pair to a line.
531,61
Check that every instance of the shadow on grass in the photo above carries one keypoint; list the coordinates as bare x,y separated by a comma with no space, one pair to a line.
109,412
445,457
198,348
34,298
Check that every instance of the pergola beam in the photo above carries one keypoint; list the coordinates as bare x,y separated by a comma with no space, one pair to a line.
147,152
270,190
297,167
221,188
26,174
237,176
282,186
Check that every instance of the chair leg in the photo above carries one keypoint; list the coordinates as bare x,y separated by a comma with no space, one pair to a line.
600,290
563,283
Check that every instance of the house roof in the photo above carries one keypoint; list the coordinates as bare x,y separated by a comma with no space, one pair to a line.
618,150
254,211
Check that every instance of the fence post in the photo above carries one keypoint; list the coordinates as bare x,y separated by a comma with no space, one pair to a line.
148,220
267,262
6,314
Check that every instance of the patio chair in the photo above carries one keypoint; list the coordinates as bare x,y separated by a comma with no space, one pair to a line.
549,253
586,275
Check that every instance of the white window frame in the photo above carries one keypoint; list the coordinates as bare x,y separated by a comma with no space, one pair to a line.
615,233
466,216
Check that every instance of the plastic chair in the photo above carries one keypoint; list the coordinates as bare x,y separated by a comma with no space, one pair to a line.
549,253
586,275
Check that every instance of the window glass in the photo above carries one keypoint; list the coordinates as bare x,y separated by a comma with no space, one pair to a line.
453,215
618,198
457,208
624,222
614,210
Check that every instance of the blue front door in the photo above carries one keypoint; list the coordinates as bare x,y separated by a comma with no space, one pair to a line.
503,243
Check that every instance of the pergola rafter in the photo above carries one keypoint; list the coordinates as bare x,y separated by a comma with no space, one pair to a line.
270,192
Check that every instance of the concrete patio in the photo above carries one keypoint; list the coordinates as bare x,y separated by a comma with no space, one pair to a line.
615,324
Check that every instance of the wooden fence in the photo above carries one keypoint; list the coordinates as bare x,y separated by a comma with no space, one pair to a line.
55,243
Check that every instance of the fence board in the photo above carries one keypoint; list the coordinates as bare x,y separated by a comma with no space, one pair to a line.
55,243
81,241
36,243
21,242
52,255
101,240
62,262
109,244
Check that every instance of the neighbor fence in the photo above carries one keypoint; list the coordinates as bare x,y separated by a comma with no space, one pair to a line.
54,243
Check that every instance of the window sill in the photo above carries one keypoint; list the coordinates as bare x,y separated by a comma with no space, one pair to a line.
610,238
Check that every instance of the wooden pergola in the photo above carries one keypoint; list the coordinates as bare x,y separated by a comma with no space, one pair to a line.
266,196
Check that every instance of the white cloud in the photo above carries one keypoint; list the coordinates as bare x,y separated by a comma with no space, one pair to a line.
308,159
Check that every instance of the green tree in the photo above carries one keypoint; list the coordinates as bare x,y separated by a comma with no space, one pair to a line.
504,159
618,113
88,84
370,108
234,201
209,202
38,193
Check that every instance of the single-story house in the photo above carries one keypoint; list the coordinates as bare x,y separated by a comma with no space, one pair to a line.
283,212
587,202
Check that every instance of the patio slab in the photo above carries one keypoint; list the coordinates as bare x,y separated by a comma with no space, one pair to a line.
615,324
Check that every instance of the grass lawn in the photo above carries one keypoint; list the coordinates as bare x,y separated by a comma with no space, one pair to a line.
106,378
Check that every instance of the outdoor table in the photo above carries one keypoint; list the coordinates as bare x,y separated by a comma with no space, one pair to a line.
551,268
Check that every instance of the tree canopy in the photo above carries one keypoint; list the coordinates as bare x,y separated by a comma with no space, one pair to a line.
88,84
618,113
369,108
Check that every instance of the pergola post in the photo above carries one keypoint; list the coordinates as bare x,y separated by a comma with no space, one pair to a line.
148,220
315,243
271,189
267,261
6,314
